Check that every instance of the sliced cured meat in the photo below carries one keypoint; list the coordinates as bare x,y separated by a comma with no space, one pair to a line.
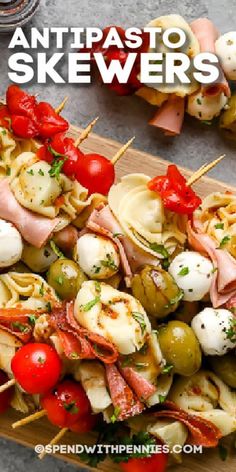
16,321
201,431
207,34
170,116
223,286
125,402
139,384
35,229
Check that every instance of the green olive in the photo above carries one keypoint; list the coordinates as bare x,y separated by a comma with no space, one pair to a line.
156,290
186,311
228,119
180,347
225,368
20,267
66,277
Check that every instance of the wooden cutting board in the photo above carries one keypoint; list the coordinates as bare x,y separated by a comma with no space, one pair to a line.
41,431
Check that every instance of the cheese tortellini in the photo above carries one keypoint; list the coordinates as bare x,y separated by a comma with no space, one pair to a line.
142,216
25,291
115,315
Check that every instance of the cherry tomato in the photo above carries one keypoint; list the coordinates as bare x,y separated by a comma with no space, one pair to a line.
23,126
5,397
85,424
65,146
5,119
155,463
36,367
50,123
96,173
67,404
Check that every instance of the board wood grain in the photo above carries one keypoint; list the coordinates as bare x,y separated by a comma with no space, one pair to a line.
41,431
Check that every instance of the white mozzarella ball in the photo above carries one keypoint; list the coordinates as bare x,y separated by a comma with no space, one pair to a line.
211,327
205,108
97,256
115,315
225,47
193,274
11,245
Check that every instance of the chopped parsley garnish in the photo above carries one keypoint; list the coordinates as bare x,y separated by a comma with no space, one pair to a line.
184,271
207,122
162,398
88,306
167,369
141,365
224,241
4,132
41,360
59,280
49,307
199,101
139,317
160,249
109,262
72,408
32,319
19,326
231,332
30,172
115,415
8,170
40,172
57,163
41,290
56,250
219,226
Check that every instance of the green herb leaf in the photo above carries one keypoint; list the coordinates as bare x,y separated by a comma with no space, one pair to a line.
41,290
206,122
109,262
162,398
139,317
72,408
219,226
224,241
167,369
40,172
32,319
8,171
115,415
56,250
91,304
30,172
49,307
59,280
20,327
184,271
160,249
231,332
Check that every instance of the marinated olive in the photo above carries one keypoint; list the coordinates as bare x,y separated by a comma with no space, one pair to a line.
66,277
180,347
20,268
114,280
228,119
156,290
225,368
186,311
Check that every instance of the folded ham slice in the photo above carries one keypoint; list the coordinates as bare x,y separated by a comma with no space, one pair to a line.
207,34
35,229
102,221
125,402
77,341
223,286
143,389
201,431
170,116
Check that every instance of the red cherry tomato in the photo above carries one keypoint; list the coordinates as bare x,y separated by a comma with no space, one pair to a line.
96,173
67,404
85,424
5,397
154,463
23,126
50,123
36,367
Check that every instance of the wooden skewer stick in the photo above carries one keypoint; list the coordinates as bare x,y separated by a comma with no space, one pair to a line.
60,107
203,170
29,419
7,385
121,151
55,440
84,134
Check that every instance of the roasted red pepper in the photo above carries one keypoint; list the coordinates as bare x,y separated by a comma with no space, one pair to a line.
50,123
30,119
177,196
61,148
5,118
